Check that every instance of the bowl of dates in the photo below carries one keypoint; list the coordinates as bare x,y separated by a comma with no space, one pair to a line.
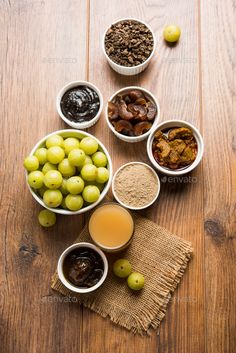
132,113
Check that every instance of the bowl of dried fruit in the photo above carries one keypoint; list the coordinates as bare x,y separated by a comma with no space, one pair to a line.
132,113
129,45
175,147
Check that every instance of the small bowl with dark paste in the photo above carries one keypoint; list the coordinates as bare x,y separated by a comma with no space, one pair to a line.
82,267
175,147
79,104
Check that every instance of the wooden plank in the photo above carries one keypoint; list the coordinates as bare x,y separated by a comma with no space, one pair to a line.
43,46
173,77
219,110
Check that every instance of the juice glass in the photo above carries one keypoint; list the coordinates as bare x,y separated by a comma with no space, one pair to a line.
111,227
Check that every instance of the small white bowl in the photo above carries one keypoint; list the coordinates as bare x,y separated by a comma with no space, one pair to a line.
133,139
73,124
172,124
129,70
80,135
70,286
131,207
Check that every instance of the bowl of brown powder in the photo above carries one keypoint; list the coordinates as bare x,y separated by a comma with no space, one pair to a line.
135,185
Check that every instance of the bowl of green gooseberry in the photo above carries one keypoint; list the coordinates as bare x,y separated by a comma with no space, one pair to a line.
69,171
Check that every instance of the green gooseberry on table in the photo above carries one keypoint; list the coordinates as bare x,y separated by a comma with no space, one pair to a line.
47,218
171,33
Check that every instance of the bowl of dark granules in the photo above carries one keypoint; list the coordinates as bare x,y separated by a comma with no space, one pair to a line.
128,46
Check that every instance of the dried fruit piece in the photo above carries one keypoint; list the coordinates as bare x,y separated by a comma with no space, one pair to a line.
141,128
123,112
124,127
139,111
152,110
141,101
131,108
113,111
135,94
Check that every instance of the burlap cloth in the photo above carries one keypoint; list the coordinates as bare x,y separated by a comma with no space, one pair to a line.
161,256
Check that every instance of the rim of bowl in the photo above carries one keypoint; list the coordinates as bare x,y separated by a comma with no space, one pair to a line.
132,207
155,122
116,248
127,19
64,89
104,191
63,278
199,140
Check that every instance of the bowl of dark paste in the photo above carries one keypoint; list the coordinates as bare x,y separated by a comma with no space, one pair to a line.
79,104
82,267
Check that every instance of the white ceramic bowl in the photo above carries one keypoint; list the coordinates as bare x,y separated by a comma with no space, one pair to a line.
130,207
63,279
133,70
73,124
172,124
78,134
133,139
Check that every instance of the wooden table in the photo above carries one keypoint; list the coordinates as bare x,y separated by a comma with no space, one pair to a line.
45,44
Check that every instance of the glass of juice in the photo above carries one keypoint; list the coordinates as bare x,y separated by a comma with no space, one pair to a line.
111,227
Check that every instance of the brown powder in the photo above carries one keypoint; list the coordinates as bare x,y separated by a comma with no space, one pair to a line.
136,185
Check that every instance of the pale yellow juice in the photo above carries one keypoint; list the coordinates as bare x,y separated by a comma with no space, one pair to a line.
111,226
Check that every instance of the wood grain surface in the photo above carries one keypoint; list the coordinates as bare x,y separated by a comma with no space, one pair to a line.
45,44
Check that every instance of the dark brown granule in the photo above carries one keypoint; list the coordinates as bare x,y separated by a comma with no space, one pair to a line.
129,43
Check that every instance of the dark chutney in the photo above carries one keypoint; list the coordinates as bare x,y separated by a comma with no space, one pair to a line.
80,104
